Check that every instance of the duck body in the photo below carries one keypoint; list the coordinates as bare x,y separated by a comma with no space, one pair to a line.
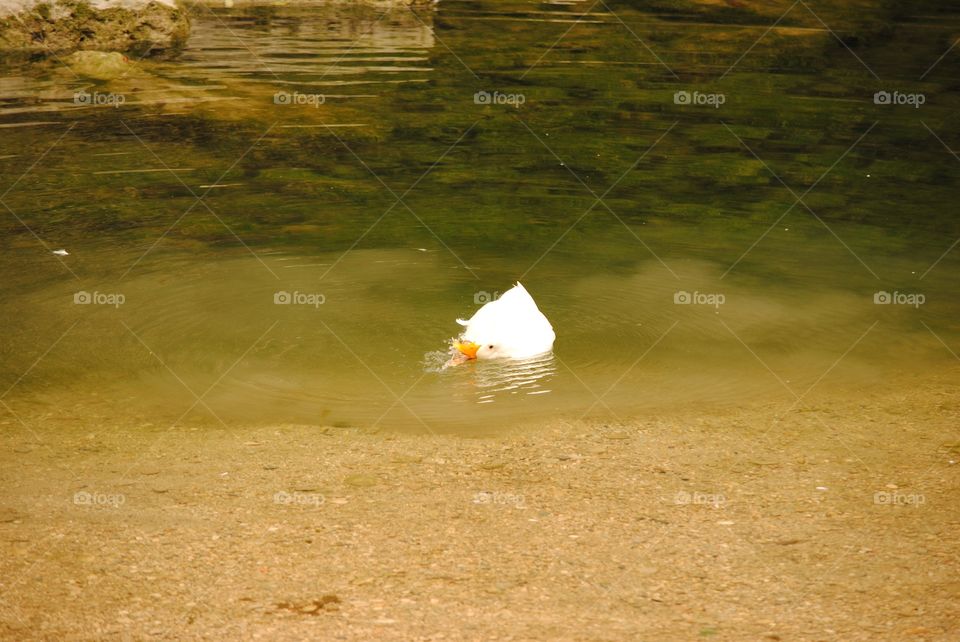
510,327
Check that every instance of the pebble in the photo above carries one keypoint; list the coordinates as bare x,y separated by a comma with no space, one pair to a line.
8,515
361,481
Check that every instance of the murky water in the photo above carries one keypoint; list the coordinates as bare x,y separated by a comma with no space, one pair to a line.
282,223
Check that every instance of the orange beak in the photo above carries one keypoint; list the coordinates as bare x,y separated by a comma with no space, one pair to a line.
467,348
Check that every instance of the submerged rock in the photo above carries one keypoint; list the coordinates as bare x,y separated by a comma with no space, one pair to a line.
98,64
53,26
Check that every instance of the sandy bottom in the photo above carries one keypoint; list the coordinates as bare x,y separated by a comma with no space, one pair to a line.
837,521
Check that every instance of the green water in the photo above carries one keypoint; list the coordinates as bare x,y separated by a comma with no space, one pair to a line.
400,203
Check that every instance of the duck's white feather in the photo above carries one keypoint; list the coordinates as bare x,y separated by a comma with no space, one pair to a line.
512,324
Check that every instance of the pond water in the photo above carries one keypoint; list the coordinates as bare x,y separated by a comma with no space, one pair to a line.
710,210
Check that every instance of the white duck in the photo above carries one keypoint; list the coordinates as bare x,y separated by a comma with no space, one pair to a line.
510,327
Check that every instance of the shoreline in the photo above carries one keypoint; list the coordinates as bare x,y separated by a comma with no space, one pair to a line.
709,525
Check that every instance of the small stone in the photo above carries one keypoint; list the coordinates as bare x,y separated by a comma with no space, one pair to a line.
8,515
361,481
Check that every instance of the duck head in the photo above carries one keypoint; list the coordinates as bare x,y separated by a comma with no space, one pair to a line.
477,350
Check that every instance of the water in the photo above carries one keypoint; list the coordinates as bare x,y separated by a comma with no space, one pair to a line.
396,203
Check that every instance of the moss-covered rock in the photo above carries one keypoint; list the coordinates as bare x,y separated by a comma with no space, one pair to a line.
54,26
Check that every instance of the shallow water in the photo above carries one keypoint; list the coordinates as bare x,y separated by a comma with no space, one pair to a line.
385,202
